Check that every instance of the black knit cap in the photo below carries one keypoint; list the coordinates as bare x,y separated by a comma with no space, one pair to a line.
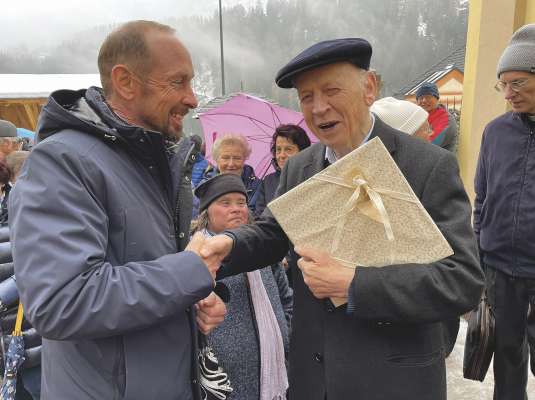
354,50
213,188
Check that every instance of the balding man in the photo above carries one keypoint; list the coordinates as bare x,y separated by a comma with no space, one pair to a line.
99,218
387,342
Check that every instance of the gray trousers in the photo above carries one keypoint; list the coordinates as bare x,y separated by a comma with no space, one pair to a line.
510,298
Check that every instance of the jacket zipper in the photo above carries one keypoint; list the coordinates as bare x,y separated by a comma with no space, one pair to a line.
517,208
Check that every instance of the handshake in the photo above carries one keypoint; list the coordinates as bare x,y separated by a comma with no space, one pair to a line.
213,250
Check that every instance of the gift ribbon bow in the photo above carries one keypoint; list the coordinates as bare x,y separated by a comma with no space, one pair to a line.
373,208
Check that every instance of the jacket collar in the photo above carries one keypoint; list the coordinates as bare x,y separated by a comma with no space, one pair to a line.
316,157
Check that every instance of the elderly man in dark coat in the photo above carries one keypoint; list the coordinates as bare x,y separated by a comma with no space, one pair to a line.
387,342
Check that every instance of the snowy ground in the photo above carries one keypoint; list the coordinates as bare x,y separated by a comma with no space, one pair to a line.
464,389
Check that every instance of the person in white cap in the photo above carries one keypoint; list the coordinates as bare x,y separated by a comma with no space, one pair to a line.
404,116
504,215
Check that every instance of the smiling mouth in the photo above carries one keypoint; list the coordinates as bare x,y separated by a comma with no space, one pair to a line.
177,117
327,125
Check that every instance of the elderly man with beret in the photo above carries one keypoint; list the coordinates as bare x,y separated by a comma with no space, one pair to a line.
386,343
504,215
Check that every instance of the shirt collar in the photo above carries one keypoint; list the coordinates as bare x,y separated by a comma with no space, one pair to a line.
330,155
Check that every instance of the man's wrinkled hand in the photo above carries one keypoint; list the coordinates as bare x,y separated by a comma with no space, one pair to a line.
215,249
195,245
211,312
324,276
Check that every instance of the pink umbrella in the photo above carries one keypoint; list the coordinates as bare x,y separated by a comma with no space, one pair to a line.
252,117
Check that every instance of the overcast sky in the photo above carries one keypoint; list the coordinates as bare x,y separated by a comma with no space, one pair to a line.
34,23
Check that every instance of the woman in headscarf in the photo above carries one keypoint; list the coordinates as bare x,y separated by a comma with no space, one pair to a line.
252,343
287,141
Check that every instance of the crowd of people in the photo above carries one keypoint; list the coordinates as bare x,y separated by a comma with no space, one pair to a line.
132,252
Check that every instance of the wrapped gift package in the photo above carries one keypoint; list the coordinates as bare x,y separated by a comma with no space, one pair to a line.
363,212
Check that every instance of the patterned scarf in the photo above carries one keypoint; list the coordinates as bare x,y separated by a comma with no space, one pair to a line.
273,374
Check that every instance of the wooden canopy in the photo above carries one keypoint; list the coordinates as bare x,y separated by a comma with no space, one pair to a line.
23,95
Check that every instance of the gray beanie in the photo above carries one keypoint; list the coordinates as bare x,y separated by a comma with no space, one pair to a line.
520,54
213,188
7,129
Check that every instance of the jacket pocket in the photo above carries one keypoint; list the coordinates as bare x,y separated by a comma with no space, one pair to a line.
416,360
417,345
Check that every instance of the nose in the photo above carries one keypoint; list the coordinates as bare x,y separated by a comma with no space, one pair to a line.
190,100
320,106
508,92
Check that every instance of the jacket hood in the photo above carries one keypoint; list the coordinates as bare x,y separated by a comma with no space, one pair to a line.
87,111
82,110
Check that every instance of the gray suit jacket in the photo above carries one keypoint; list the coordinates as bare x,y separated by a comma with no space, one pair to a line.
391,346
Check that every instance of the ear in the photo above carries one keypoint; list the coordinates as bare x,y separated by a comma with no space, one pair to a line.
124,82
370,88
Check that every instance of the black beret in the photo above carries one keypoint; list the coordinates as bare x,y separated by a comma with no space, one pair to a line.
354,50
215,187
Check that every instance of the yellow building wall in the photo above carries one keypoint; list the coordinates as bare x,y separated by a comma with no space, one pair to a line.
530,12
491,24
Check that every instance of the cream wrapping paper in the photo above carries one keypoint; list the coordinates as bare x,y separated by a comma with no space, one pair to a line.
363,212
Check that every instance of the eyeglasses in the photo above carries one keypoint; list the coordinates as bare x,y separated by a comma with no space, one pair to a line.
516,86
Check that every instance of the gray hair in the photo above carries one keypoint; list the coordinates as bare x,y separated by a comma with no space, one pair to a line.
231,139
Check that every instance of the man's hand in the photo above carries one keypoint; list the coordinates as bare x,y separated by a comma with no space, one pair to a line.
211,312
216,248
324,276
195,245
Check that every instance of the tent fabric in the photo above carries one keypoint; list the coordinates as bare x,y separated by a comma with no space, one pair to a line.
252,117
22,112
24,86
23,95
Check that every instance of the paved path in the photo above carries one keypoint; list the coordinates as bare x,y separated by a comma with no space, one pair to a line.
464,389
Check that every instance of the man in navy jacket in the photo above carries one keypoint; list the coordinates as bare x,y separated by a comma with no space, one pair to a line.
504,216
